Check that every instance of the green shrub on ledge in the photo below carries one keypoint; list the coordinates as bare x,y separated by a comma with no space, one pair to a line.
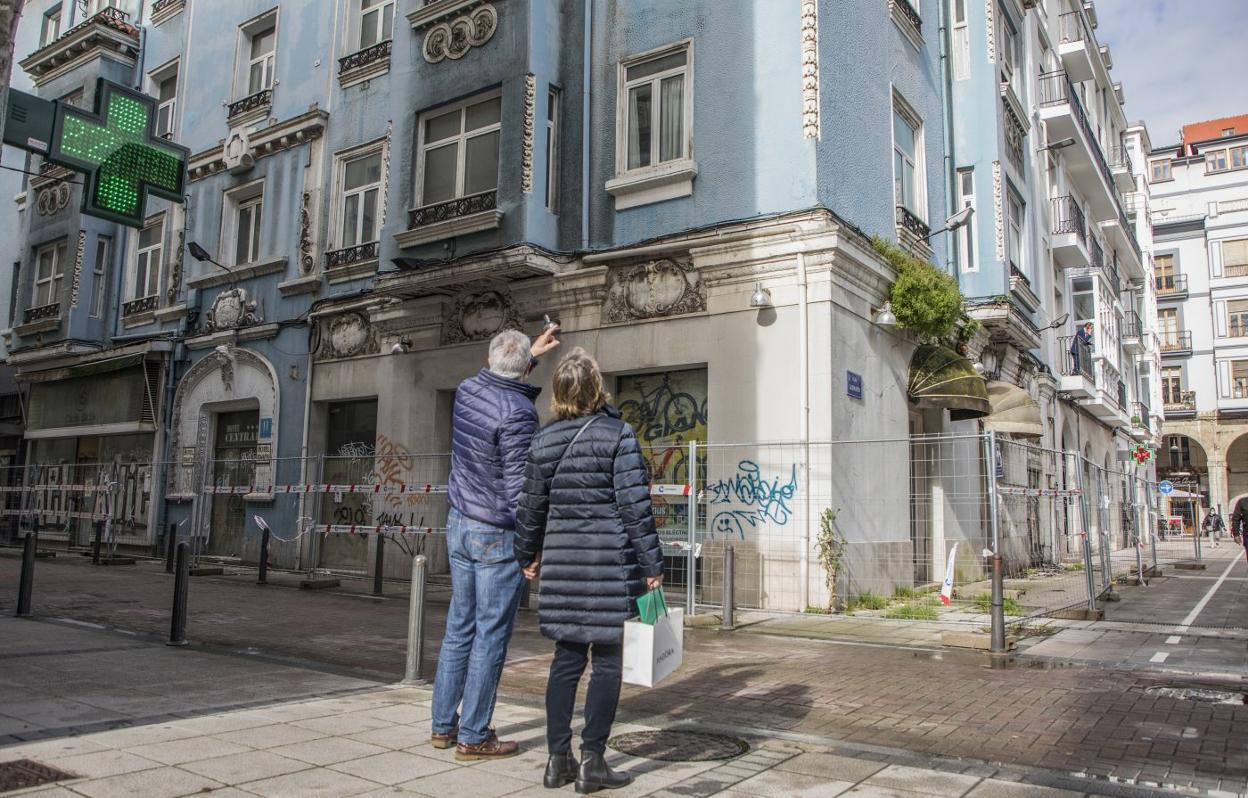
925,300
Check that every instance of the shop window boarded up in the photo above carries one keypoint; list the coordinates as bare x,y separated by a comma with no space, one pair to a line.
116,398
667,410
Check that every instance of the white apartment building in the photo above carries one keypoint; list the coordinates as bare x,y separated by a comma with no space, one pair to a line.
1198,205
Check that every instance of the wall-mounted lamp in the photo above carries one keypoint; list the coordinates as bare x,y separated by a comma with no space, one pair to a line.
1060,144
959,219
401,347
885,317
761,298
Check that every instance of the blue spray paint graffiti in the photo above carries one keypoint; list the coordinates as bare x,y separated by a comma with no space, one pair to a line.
763,501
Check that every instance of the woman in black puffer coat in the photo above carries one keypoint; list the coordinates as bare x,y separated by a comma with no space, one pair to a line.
584,520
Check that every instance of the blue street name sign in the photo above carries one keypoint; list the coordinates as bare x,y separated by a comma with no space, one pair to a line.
853,385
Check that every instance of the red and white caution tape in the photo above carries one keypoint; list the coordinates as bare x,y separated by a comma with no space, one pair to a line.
384,490
66,488
55,515
356,529
1006,490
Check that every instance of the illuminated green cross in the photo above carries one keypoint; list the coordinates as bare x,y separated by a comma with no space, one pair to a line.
117,150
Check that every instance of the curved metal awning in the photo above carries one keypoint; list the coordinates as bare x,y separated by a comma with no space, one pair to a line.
940,377
1013,411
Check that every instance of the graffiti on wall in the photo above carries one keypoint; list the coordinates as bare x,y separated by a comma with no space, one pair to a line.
748,500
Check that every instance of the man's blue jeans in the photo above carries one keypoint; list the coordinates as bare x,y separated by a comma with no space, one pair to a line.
485,592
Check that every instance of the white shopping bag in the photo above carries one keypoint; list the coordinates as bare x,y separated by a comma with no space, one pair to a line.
652,653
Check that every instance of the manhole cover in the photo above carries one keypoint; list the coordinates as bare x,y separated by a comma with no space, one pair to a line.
1203,695
22,773
679,746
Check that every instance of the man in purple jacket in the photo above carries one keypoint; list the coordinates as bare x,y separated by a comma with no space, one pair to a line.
493,422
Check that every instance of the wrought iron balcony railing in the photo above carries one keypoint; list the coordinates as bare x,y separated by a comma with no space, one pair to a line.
42,312
161,5
1180,401
453,209
1068,217
141,305
1096,254
907,220
1171,285
362,58
1131,326
1120,158
348,256
260,99
1074,28
1140,414
910,12
1056,89
1078,358
1176,341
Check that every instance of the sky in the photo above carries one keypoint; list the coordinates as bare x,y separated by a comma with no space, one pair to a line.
1180,61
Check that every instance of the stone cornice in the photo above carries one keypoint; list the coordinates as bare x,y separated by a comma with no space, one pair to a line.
264,142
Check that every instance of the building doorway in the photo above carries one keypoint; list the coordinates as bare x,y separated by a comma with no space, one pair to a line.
920,502
234,464
350,457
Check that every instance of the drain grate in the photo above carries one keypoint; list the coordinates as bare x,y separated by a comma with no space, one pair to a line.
1203,695
22,773
679,746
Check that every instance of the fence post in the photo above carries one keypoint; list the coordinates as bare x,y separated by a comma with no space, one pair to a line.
1107,566
416,624
1086,535
1139,540
263,577
729,622
1152,527
27,583
379,564
691,562
95,547
998,585
181,582
1196,530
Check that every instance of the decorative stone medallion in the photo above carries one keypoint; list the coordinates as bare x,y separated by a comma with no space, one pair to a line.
479,317
454,38
348,335
231,309
654,289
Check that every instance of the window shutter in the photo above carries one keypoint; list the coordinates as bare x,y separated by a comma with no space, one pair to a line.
1215,258
1224,379
1219,314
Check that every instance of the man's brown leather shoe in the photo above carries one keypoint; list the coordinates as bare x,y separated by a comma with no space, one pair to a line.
443,741
490,748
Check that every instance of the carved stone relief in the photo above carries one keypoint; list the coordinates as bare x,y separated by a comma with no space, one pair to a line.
655,289
306,259
231,309
454,38
348,335
175,278
53,199
75,286
998,222
810,69
479,316
526,148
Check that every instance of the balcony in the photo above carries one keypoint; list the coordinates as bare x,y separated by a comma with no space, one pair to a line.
107,34
1136,203
1076,46
1064,117
1180,404
913,233
1141,421
474,213
1171,287
1175,343
1078,377
1122,168
251,108
1132,333
1070,234
1020,289
137,307
351,263
366,64
163,10
41,319
907,20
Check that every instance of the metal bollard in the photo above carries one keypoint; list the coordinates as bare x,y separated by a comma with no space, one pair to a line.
379,566
728,623
181,582
998,606
171,544
99,539
1196,539
27,583
416,624
263,578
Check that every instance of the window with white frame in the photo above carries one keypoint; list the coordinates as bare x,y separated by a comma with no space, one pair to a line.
150,260
552,150
361,178
51,26
1216,161
1239,379
907,151
1160,170
1235,257
1017,224
656,108
242,216
1237,318
967,261
259,49
165,87
961,40
49,268
376,22
1239,157
99,275
459,150
1172,385
1009,54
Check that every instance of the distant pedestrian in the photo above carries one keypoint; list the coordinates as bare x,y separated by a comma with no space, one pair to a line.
1239,521
1214,526
493,422
1081,341
585,522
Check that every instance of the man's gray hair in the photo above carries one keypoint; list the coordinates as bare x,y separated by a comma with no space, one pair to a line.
510,354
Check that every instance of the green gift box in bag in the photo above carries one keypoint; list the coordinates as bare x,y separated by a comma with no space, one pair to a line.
651,606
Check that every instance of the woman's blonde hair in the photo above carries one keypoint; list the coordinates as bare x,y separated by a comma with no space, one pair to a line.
577,386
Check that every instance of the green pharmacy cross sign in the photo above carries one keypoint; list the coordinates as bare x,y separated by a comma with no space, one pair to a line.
118,151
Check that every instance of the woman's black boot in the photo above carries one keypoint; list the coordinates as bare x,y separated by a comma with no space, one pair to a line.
596,775
560,770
